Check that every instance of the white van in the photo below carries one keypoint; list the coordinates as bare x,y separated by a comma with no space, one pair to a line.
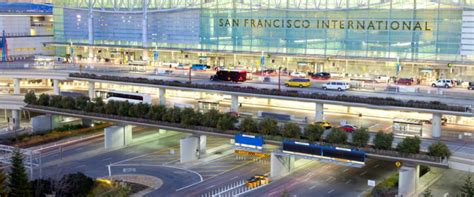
447,83
336,85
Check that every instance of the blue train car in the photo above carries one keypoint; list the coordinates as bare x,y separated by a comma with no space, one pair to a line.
324,152
249,142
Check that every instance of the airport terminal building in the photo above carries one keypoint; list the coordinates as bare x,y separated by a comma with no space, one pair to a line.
429,39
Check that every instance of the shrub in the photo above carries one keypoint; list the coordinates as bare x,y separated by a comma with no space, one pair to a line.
268,126
43,100
360,137
30,98
249,125
68,102
172,115
81,102
226,122
313,132
56,101
337,136
112,107
409,145
439,149
189,117
383,140
76,184
210,118
291,130
41,187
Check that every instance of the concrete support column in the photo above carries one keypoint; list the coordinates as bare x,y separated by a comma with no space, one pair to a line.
90,52
234,106
145,26
280,165
90,27
15,120
117,136
145,55
91,89
408,180
436,125
162,92
202,144
189,148
56,87
319,112
16,86
349,110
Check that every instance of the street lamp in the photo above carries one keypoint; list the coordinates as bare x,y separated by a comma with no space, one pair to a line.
279,78
190,68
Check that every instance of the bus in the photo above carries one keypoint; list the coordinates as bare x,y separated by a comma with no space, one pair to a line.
200,67
230,75
126,96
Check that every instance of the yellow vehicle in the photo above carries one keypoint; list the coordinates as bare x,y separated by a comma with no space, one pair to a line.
256,181
324,124
298,82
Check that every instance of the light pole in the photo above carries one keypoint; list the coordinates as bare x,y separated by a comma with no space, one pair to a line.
279,78
190,68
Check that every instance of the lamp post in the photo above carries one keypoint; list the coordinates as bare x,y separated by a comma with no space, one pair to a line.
190,68
279,78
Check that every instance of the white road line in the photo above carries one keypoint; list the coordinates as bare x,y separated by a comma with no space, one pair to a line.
312,187
234,177
376,166
348,181
106,159
446,194
365,172
330,191
373,126
210,187
345,170
80,166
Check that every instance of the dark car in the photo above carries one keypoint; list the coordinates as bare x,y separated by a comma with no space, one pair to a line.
444,121
267,72
405,81
321,76
471,86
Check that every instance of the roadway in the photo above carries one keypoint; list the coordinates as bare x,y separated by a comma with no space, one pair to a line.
455,96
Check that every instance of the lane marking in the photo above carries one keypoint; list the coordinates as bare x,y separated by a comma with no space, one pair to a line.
312,187
348,181
376,166
345,170
106,159
80,166
365,172
210,187
234,177
330,191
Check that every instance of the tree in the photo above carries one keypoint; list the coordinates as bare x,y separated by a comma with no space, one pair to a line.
30,98
112,107
383,140
81,102
41,187
99,105
172,115
226,122
336,136
43,100
291,130
189,117
210,118
68,102
467,189
439,149
360,137
156,112
123,108
55,101
409,145
249,125
268,126
3,183
313,132
76,184
18,180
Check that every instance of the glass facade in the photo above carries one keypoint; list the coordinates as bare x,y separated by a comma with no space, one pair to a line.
417,30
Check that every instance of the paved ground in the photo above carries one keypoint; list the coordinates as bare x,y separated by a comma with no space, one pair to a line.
449,184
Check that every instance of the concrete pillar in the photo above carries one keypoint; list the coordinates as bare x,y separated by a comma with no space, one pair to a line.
162,92
145,55
280,165
349,110
408,180
189,148
91,89
234,106
436,125
319,112
145,25
15,120
202,144
56,87
90,27
16,86
117,136
90,55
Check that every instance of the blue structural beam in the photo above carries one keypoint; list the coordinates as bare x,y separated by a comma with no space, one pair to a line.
26,8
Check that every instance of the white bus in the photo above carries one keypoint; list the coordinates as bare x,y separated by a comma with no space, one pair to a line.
127,96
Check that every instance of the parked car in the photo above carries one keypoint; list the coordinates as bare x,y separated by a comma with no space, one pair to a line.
444,121
405,81
381,79
170,64
324,124
298,82
267,72
321,76
298,74
470,86
348,128
336,85
447,83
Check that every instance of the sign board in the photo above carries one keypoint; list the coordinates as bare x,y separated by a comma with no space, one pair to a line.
398,164
371,183
155,55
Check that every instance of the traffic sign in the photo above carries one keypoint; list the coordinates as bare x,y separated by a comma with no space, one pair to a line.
371,183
